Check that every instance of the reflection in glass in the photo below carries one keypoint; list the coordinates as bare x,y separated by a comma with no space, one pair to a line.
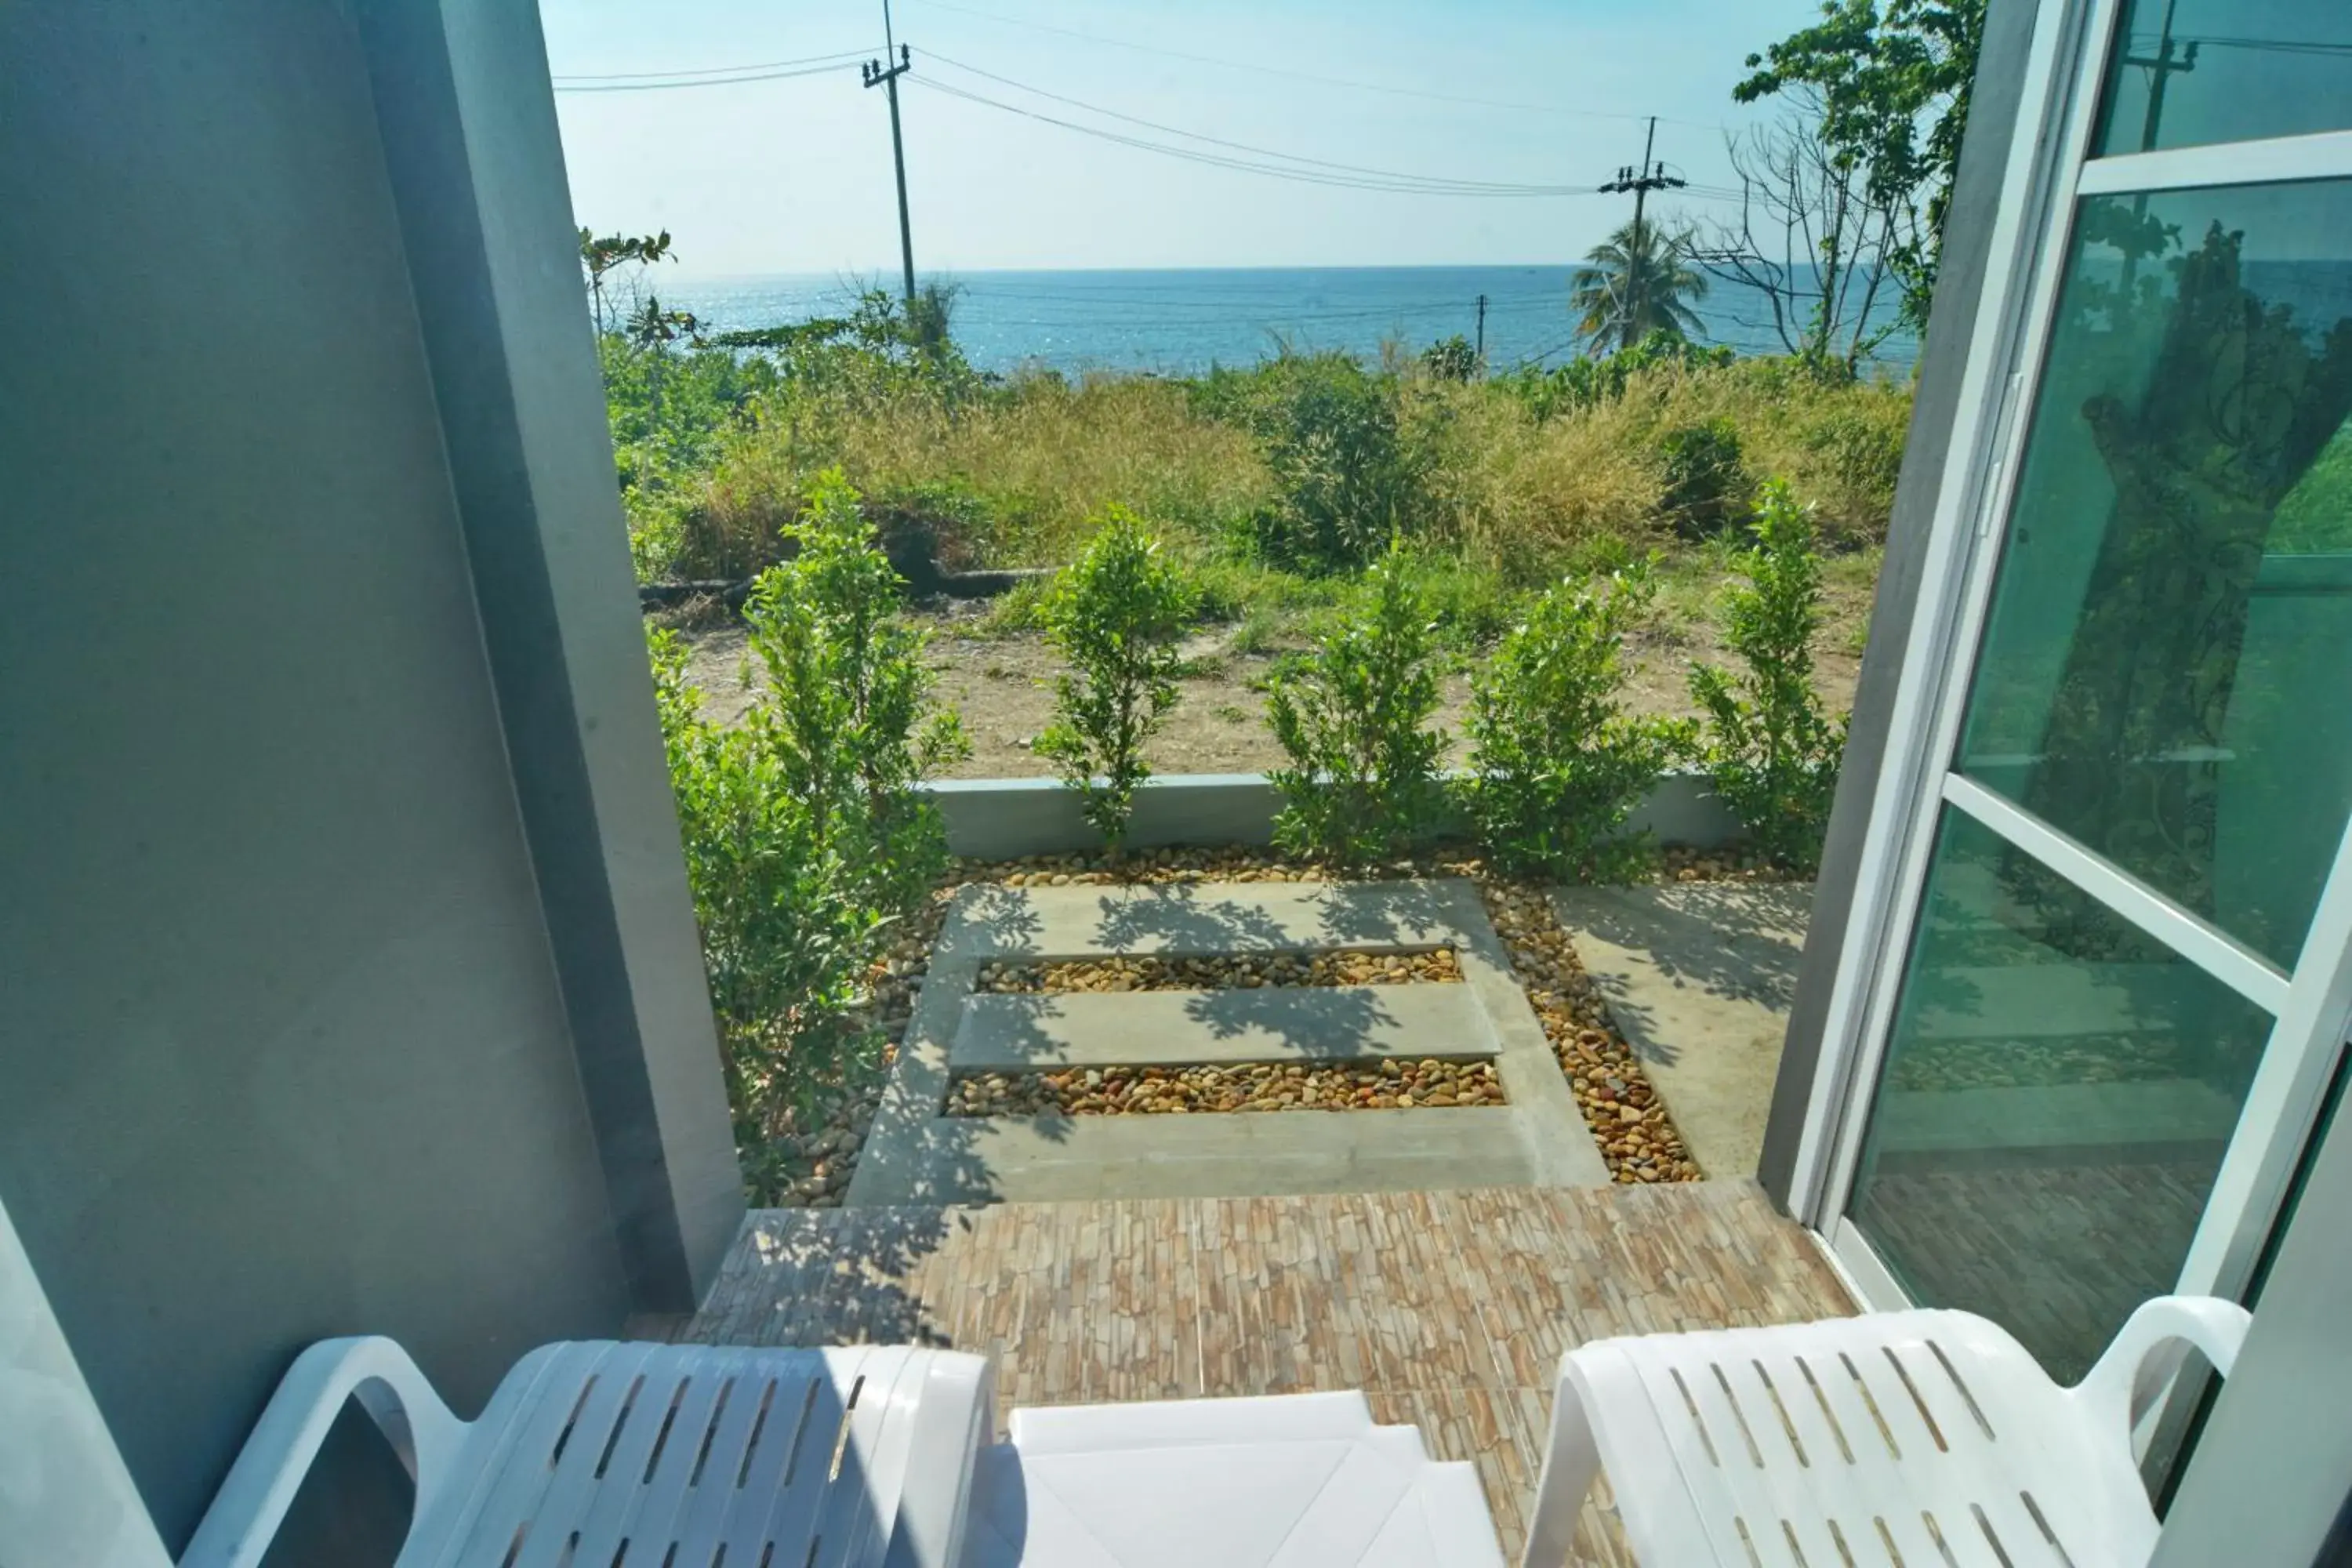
2057,1094
2185,73
2167,669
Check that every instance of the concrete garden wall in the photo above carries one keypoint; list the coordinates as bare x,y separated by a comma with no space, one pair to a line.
1004,819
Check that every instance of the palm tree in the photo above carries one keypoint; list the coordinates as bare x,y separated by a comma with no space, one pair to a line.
1638,282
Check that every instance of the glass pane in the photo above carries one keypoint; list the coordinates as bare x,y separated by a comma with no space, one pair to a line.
2167,672
2188,72
2057,1094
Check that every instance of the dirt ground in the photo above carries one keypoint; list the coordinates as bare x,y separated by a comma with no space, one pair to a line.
1003,686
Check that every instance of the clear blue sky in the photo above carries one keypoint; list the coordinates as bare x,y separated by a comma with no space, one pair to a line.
793,175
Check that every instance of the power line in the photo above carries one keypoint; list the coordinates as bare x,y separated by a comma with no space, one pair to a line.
1401,184
702,81
1092,304
1299,75
1497,187
684,74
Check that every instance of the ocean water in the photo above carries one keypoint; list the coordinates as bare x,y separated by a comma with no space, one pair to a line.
1181,321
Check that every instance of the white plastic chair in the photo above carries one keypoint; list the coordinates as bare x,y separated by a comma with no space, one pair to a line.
646,1455
1925,1439
604,1454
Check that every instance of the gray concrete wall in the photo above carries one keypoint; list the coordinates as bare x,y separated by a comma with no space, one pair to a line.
347,980
1977,195
1004,819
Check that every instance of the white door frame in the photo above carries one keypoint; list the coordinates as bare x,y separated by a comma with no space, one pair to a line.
2010,325
2313,1008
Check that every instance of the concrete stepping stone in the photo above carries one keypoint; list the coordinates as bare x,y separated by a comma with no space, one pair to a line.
1046,1159
1035,1032
915,1154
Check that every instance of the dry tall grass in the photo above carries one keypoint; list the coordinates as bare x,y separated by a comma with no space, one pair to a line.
1021,473
1015,475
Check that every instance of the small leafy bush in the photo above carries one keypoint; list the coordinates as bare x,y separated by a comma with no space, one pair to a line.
1451,359
1353,717
1584,384
1707,485
848,698
804,831
1328,427
785,936
1557,766
1116,615
1774,753
1855,448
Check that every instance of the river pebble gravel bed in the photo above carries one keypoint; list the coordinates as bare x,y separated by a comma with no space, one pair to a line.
1250,1086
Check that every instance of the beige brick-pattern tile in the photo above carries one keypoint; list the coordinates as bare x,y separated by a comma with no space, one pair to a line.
1450,1310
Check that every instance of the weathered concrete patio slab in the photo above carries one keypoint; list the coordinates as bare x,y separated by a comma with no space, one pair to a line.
1034,1033
1048,1159
1698,977
916,1155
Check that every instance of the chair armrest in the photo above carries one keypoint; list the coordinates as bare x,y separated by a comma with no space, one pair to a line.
2128,1374
244,1518
954,1416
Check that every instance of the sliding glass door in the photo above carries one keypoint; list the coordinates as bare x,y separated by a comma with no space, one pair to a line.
2111,987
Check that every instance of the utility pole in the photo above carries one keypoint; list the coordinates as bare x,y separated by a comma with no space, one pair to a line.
878,74
1481,329
1652,176
2161,69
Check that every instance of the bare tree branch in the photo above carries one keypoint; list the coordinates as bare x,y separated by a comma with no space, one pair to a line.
1812,238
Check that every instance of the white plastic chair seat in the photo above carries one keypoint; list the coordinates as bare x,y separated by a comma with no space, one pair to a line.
1295,1481
1930,1439
642,1455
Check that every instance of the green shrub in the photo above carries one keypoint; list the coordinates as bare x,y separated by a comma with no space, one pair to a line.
785,939
848,697
1328,429
1583,383
1707,485
1451,359
1557,766
1774,753
1116,615
1353,719
671,409
1856,448
804,832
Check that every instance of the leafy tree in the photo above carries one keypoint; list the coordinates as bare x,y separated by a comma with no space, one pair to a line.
1557,765
2231,408
1636,282
1773,752
1890,80
1353,717
600,256
1116,615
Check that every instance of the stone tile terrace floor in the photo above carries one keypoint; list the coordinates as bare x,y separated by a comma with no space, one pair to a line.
1449,1309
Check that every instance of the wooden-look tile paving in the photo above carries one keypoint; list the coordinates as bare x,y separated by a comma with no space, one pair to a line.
1449,1309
